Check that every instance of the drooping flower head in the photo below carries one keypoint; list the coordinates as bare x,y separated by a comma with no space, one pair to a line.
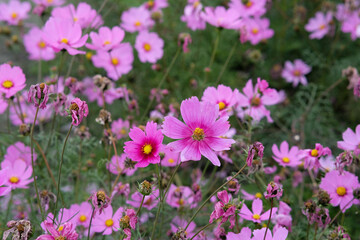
100,201
285,156
224,209
149,47
78,110
344,159
107,39
256,150
273,190
12,80
319,25
14,11
184,41
39,95
295,72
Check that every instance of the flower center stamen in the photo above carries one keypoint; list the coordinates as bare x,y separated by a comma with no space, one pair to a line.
286,159
256,216
255,30
297,73
258,195
14,180
41,44
107,42
222,105
115,61
147,148
314,153
341,191
109,223
14,15
64,40
137,24
82,218
7,84
147,47
198,134
255,101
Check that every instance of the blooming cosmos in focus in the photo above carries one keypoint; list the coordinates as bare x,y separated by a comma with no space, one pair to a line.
149,47
286,157
107,39
107,222
351,140
256,215
12,80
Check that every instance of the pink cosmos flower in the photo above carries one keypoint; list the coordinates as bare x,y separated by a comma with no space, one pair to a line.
67,231
245,234
107,222
18,174
255,30
4,189
286,157
61,33
83,15
144,147
100,201
222,96
255,8
319,25
280,234
222,17
224,209
351,140
12,80
14,11
78,110
180,197
249,196
116,62
48,3
340,188
18,151
255,215
122,189
171,157
64,216
155,5
201,134
178,222
82,214
327,163
352,25
120,128
283,217
295,72
192,16
311,156
253,101
128,222
117,165
136,19
107,39
36,46
150,201
149,47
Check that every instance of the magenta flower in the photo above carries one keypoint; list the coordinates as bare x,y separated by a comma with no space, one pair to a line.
224,209
83,15
62,34
107,39
66,231
36,46
155,5
4,188
351,140
192,16
286,157
222,96
18,151
136,19
295,72
178,222
107,222
78,110
150,201
180,197
18,174
117,165
255,150
222,17
254,8
201,134
100,201
340,188
351,25
280,234
149,47
171,157
39,95
319,25
255,30
128,222
311,156
14,11
273,190
120,128
82,214
255,215
116,62
144,147
12,80
245,234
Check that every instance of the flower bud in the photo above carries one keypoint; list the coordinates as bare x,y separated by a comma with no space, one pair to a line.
145,188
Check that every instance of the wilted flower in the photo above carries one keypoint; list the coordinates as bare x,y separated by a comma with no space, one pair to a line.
100,201
45,198
273,190
224,209
104,117
145,188
128,221
103,83
66,232
20,230
344,159
184,41
338,233
256,150
233,185
78,110
39,95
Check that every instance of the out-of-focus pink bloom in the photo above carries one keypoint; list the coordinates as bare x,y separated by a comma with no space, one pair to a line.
106,39
283,217
312,156
74,85
201,134
117,165
319,25
122,189
150,201
233,185
343,11
286,157
18,151
39,95
82,214
344,159
280,234
245,234
12,80
180,197
49,3
84,15
149,47
224,209
255,30
256,215
100,201
340,188
3,105
222,17
171,157
352,25
36,46
297,178
273,190
66,232
107,222
155,5
327,163
120,128
116,62
178,222
18,174
270,170
78,110
351,140
62,34
184,41
256,150
222,96
253,102
192,16
255,8
128,222
14,11
248,196
145,146
295,72
136,19
4,188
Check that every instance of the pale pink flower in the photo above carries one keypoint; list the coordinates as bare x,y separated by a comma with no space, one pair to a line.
319,25
192,16
222,17
295,72
18,174
18,151
285,156
107,222
12,80
256,215
4,188
351,140
117,165
14,11
180,197
249,196
311,156
352,25
255,8
255,30
36,46
136,19
280,234
171,158
82,214
245,234
107,39
149,47
120,128
283,217
327,163
150,201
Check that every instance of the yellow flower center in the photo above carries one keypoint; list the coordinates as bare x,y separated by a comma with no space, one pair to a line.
123,131
150,3
314,153
171,160
14,179
107,42
137,24
7,84
147,47
297,73
75,19
14,15
196,3
41,44
181,201
258,195
222,105
147,148
255,101
89,55
249,4
115,61
60,228
198,134
50,1
286,159
109,223
82,218
64,40
256,216
341,191
255,30
322,27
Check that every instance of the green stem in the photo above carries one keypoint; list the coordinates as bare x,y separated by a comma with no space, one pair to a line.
316,228
142,201
9,206
92,215
202,229
216,44
307,232
226,62
268,223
